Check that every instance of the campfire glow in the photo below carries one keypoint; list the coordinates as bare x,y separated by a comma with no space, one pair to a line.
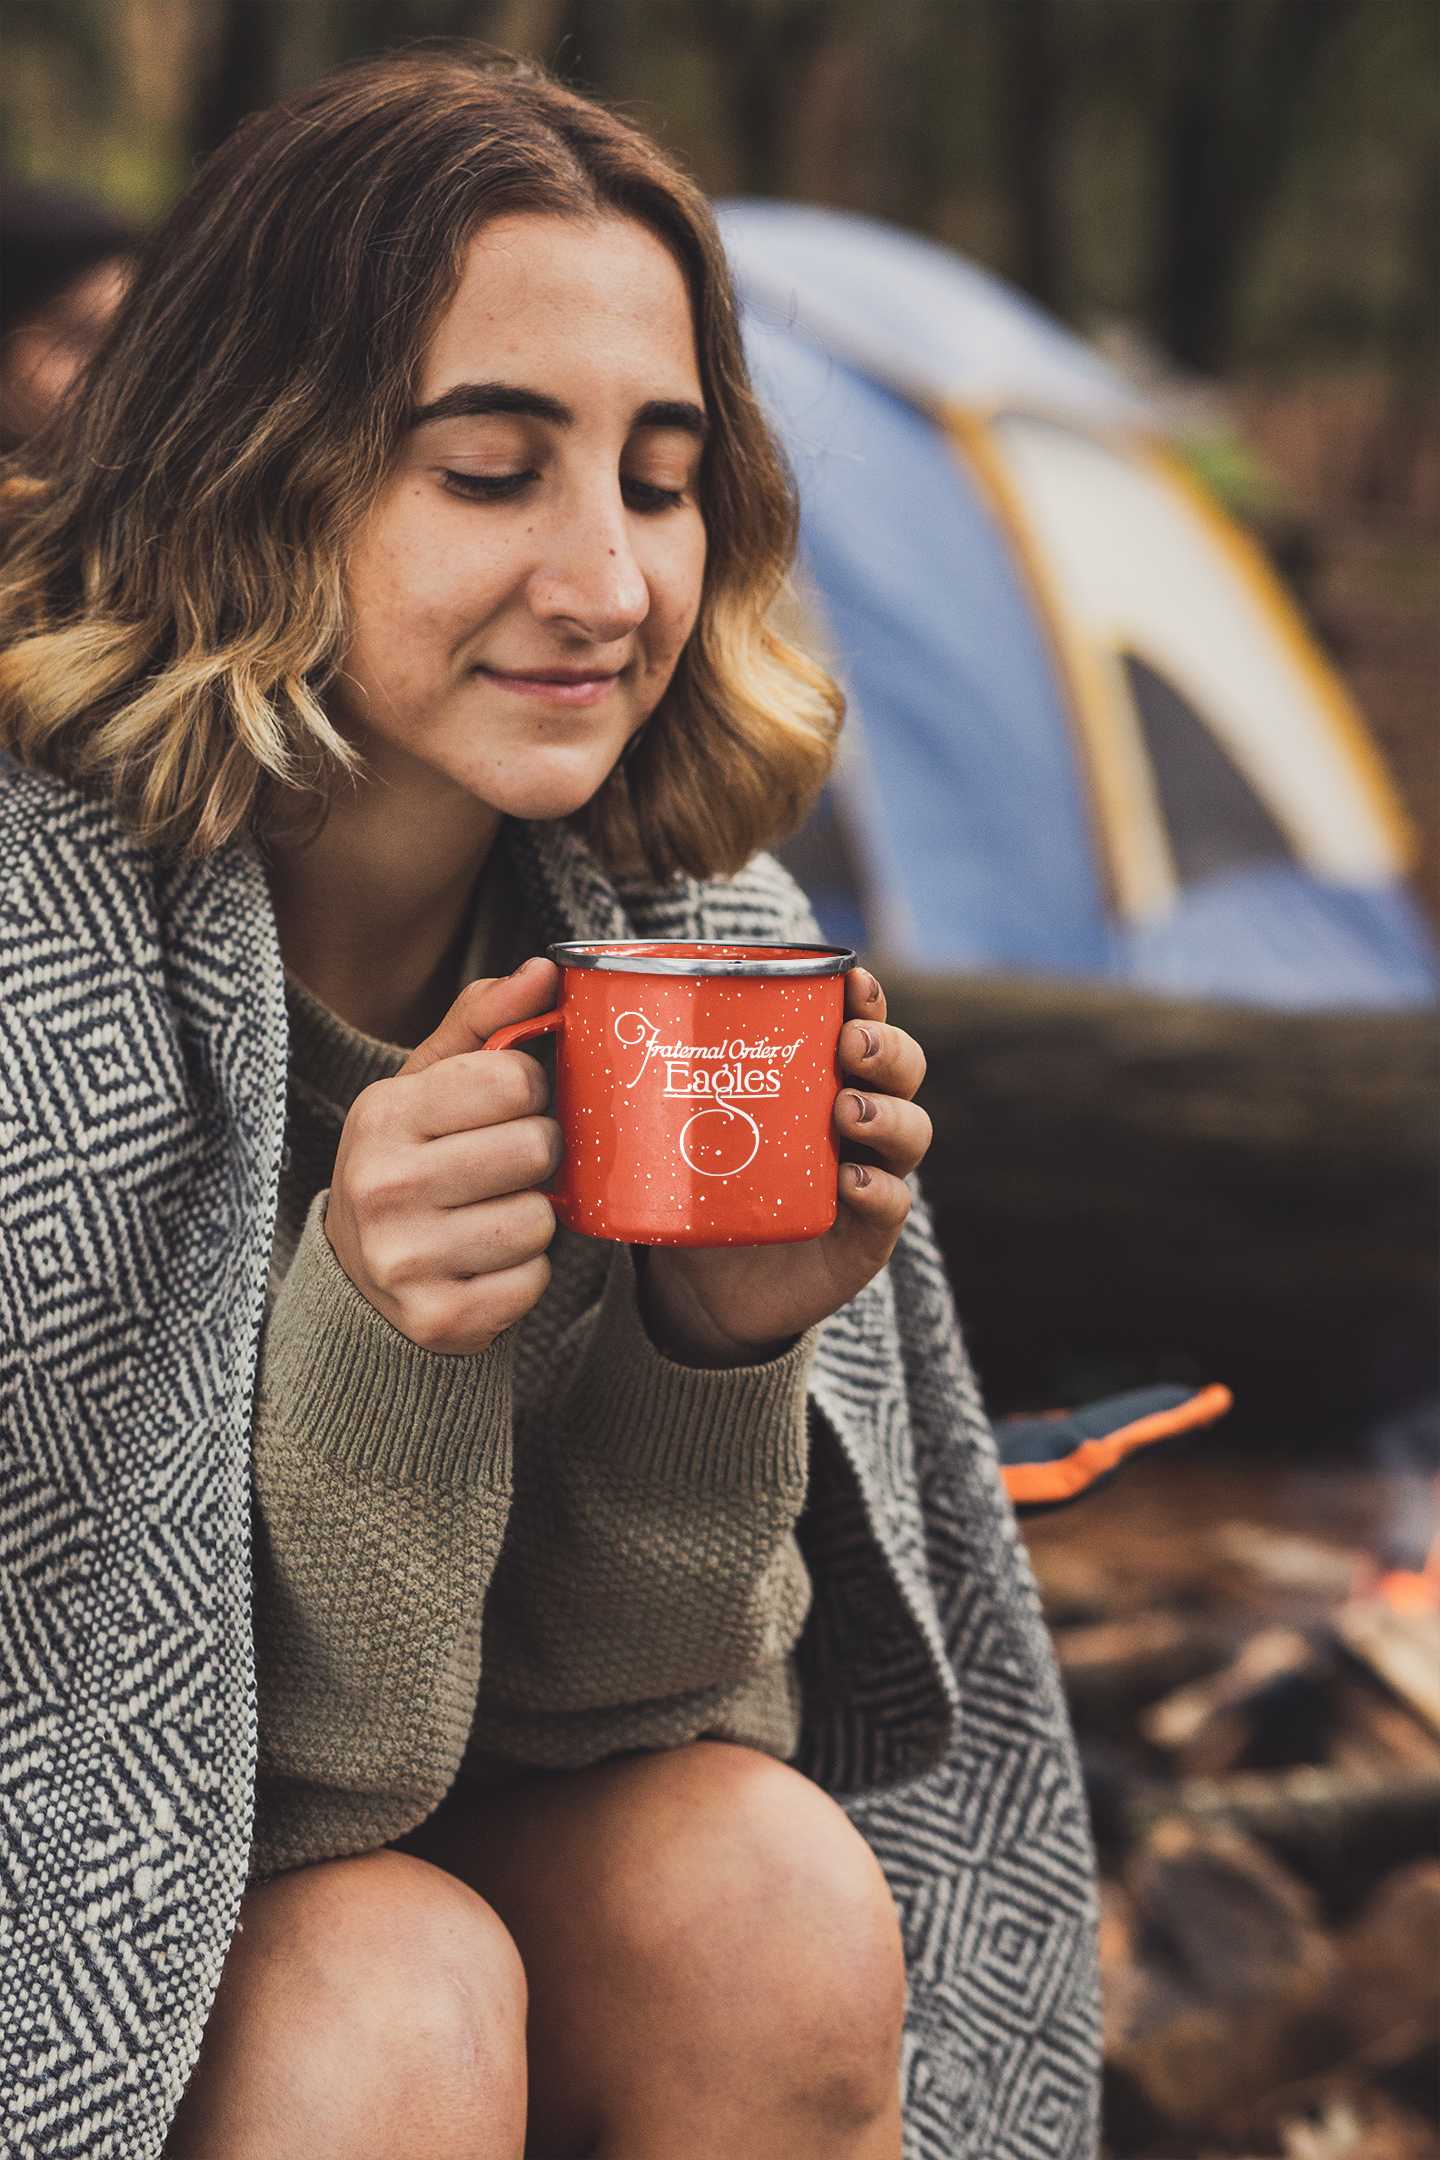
1412,1592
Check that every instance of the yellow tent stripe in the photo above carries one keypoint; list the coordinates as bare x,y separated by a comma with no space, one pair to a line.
1336,707
1137,877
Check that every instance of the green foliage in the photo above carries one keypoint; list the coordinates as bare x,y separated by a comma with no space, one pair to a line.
1229,469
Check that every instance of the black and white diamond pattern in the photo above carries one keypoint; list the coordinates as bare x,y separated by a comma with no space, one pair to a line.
142,1080
142,1049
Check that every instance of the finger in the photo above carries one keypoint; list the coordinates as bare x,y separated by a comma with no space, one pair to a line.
403,1256
457,1319
883,1058
463,1093
484,1006
451,1171
871,1215
864,998
460,1169
882,1129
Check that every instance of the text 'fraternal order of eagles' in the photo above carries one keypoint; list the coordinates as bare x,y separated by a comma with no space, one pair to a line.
740,1067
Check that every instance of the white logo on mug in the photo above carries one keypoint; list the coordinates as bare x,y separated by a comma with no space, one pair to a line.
722,1138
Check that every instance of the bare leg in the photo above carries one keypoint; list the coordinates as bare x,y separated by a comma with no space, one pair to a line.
370,2009
713,1958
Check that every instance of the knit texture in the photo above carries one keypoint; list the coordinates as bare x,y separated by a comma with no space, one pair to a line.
142,1084
650,1588
382,1486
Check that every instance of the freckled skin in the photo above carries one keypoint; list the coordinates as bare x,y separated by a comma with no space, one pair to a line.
455,594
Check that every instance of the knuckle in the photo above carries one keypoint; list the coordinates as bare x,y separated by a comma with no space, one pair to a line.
538,1082
538,1219
390,1264
524,1287
514,1086
375,1191
539,1149
439,1328
373,1111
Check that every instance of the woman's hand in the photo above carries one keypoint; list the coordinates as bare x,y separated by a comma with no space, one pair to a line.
734,1305
431,1212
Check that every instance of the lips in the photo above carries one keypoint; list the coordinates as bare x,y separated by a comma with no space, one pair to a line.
555,686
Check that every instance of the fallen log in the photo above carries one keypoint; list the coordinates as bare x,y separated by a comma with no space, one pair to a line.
1334,1822
1371,1731
1118,1175
1218,1980
1401,1648
1273,1695
1292,1566
1391,1958
1116,1665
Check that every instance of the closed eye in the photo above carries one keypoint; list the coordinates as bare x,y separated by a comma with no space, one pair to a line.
643,496
639,495
487,487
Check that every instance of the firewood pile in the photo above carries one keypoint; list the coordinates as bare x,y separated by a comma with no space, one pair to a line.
1258,1714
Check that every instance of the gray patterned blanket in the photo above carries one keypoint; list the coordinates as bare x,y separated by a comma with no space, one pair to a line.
142,1100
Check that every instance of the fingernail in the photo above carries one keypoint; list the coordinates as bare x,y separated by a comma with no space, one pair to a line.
859,1175
871,1042
869,988
864,1107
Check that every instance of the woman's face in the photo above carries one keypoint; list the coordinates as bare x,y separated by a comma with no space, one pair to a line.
523,586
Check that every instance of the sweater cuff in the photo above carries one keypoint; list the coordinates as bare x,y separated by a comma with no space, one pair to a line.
360,1394
738,1427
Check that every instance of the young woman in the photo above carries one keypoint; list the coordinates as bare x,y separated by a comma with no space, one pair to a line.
393,600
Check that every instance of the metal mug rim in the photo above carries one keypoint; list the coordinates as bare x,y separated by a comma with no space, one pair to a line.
636,956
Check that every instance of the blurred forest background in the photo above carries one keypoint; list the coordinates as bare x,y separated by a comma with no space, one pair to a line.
1244,190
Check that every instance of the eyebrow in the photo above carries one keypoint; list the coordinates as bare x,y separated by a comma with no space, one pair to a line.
472,401
676,413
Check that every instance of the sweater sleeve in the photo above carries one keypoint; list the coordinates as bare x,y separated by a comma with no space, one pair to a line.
382,1487
651,1589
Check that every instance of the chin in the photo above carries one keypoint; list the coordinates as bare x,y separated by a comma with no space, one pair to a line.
547,788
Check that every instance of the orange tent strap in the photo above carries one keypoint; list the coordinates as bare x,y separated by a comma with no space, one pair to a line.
1033,1484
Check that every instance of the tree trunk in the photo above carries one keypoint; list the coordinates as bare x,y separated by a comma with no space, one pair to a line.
243,78
1241,74
1030,141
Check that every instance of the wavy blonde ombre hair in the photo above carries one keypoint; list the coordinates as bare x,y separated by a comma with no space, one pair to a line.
172,586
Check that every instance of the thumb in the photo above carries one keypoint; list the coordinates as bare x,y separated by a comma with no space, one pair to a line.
482,1007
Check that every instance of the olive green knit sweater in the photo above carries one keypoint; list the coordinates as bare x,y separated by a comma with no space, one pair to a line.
562,1548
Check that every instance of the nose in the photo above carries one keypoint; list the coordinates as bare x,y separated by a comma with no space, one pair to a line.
588,576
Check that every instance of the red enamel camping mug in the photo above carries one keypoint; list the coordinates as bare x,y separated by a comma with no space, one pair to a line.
695,1088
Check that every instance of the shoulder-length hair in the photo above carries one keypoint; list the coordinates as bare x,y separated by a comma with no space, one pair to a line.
172,597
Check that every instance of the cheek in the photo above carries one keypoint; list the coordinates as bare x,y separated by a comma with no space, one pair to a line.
410,597
676,578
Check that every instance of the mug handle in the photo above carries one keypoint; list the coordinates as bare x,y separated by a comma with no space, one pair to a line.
523,1030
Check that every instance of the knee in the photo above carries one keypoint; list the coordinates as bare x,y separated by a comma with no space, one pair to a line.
765,1886
383,1979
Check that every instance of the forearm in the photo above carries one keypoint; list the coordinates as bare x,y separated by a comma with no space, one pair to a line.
382,1486
650,1587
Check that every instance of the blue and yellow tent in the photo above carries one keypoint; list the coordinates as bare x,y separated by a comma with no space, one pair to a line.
1090,736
